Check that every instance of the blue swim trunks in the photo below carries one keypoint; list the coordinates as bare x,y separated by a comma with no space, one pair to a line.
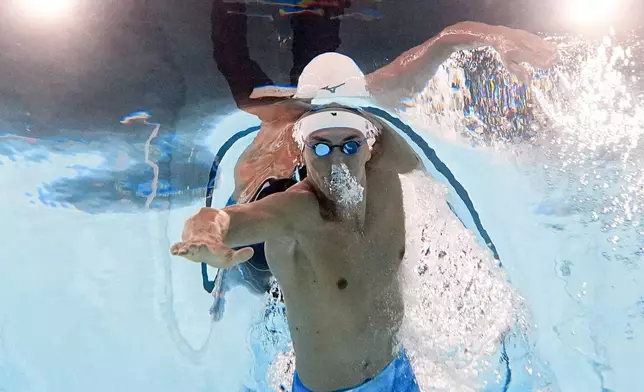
398,376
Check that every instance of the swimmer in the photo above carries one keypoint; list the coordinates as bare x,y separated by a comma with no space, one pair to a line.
335,240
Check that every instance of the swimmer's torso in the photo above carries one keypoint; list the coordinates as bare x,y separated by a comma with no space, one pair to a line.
341,287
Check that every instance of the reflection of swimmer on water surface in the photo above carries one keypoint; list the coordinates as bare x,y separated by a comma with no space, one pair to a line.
143,117
335,239
29,140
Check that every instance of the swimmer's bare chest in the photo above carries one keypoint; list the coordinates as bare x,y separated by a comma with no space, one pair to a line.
341,289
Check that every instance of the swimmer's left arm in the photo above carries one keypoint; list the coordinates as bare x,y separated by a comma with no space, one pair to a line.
412,70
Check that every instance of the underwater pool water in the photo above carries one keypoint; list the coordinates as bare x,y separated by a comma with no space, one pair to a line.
90,298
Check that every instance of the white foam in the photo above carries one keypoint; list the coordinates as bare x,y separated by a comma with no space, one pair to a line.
280,374
344,186
458,303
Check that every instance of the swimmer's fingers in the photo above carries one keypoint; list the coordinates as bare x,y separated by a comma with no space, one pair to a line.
518,70
217,256
536,52
515,63
517,47
197,251
548,55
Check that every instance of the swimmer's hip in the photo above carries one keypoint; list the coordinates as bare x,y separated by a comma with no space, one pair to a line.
398,376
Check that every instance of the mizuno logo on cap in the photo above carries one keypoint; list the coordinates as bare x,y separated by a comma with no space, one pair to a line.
332,89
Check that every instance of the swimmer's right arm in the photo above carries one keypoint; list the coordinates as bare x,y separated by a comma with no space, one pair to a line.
210,235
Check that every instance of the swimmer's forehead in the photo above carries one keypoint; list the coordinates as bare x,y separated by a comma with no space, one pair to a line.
336,134
336,130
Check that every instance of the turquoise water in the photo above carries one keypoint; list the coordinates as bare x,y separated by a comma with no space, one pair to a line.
90,298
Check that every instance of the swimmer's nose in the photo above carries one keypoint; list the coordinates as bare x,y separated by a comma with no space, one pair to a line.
337,156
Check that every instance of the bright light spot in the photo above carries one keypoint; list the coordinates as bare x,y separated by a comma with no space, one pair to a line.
45,8
589,12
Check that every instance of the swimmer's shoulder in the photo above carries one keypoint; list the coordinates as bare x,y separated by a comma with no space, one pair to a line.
391,152
303,202
297,198
302,194
289,210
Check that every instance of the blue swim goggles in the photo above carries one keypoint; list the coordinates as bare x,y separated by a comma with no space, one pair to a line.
322,149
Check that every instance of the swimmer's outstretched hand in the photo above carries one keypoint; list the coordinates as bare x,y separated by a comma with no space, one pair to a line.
203,236
518,46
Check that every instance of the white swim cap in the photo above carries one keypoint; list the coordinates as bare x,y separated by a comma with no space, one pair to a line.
331,77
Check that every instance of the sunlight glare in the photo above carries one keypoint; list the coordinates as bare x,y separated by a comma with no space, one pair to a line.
590,12
51,9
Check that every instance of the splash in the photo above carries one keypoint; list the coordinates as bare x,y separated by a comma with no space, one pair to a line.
576,132
273,347
580,123
344,186
458,303
596,135
281,372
